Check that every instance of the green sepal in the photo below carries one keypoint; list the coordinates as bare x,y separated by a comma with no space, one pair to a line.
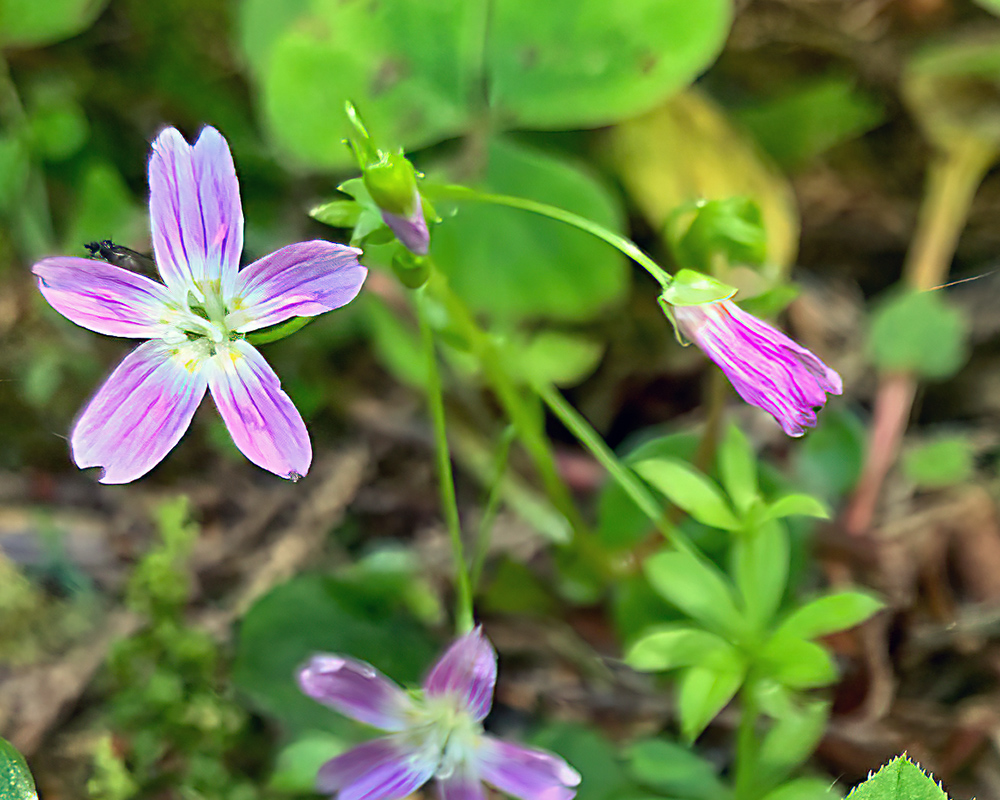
411,269
690,288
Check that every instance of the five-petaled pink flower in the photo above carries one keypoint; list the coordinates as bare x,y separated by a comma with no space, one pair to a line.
766,368
195,320
437,734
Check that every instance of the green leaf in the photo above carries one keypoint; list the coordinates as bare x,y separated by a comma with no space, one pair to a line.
31,23
811,118
697,588
511,264
337,213
562,359
514,589
16,782
691,288
943,462
591,754
900,779
796,663
835,612
919,332
603,67
703,694
829,461
671,646
801,505
738,468
105,209
298,763
792,738
760,565
313,614
993,6
690,490
673,769
15,167
804,789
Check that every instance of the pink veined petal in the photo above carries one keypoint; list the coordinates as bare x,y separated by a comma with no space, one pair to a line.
467,671
390,779
525,772
300,280
411,230
357,690
195,210
102,297
462,784
139,414
360,761
264,424
766,367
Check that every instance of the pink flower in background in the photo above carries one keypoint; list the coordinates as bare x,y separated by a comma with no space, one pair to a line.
435,735
766,368
195,320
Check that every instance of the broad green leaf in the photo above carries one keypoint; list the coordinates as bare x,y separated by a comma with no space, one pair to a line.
993,6
760,565
738,468
900,779
703,694
689,490
637,608
31,23
601,67
674,769
310,615
409,67
510,264
791,505
16,782
589,753
561,359
687,151
691,288
829,461
919,332
672,646
337,213
797,663
297,764
835,612
805,789
806,121
792,738
942,462
696,587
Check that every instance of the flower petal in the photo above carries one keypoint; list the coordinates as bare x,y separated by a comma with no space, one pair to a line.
102,297
300,280
195,210
767,369
525,772
264,424
411,230
382,768
467,670
357,690
462,784
140,412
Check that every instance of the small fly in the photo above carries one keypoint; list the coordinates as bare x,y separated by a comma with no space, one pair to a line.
123,257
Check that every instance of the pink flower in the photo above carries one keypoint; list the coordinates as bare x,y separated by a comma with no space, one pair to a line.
195,321
435,735
766,368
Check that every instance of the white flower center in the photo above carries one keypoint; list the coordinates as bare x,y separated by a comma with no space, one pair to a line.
200,320
446,732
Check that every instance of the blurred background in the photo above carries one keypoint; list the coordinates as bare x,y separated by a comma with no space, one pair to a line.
148,633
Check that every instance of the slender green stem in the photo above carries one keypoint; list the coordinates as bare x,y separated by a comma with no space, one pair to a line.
620,473
529,424
492,506
626,246
747,745
446,481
